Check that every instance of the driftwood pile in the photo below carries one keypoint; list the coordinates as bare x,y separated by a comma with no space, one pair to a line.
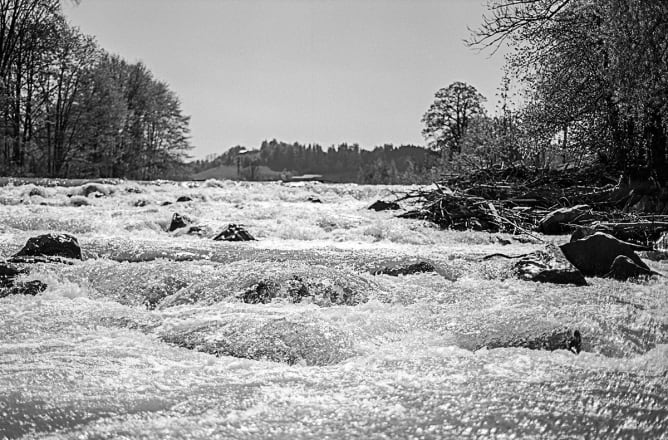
523,201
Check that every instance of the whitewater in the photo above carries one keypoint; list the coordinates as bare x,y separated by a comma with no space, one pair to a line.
147,337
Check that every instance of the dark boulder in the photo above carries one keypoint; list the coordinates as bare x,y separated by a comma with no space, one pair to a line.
178,221
556,221
261,292
37,191
410,269
234,233
314,200
548,266
623,268
381,205
595,254
165,203
49,245
141,203
183,199
557,339
31,288
8,272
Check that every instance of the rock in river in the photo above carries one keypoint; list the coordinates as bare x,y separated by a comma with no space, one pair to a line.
549,266
409,269
48,246
555,222
595,254
178,221
558,339
234,233
623,268
381,205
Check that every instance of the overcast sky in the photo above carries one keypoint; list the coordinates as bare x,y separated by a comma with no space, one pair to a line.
312,71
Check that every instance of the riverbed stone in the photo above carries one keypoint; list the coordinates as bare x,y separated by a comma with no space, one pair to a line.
623,269
557,339
234,233
49,245
30,288
556,221
179,221
548,266
381,205
406,269
594,255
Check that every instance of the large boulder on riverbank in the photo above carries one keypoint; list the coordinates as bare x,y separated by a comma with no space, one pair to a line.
48,246
594,255
556,222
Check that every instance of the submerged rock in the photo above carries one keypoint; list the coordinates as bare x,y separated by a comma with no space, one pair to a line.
178,221
49,245
623,268
31,288
555,222
37,191
293,340
548,266
96,189
234,233
260,293
558,339
298,289
594,255
410,269
381,205
141,203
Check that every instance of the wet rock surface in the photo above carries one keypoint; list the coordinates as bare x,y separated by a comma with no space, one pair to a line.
548,266
558,339
557,221
234,233
381,205
594,255
406,269
49,245
178,221
623,268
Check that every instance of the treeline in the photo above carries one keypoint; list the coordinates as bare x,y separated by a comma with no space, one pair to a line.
70,109
341,163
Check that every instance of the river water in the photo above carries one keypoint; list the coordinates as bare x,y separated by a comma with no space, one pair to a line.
147,337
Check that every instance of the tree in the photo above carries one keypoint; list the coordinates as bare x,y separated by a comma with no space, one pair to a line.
596,64
449,116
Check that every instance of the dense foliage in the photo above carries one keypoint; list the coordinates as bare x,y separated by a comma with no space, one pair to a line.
596,76
70,109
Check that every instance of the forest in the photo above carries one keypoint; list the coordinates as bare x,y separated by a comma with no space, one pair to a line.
342,163
71,109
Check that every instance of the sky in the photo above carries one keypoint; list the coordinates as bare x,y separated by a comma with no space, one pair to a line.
308,71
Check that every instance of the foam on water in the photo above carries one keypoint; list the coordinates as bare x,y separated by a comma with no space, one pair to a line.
148,337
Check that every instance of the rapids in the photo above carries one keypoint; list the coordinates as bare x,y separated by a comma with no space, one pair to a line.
147,339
